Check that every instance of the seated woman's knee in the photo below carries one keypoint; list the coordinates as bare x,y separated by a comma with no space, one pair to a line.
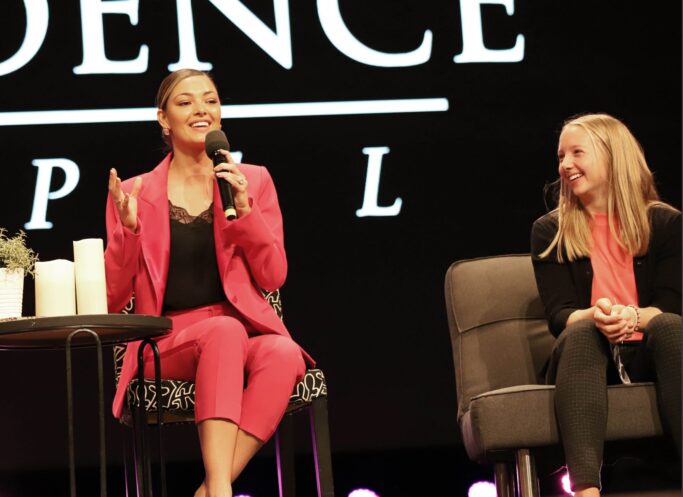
582,331
224,330
664,330
286,353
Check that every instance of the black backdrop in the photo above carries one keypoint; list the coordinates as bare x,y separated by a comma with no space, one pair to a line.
364,295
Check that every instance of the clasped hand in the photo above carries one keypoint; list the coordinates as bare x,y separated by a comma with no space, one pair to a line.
616,321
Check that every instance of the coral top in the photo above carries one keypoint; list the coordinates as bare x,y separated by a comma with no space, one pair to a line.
613,275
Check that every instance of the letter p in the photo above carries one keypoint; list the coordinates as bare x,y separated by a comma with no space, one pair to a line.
43,194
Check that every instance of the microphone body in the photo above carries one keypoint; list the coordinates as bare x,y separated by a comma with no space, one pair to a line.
216,140
225,190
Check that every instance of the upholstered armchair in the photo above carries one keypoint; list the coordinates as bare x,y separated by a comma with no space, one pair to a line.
501,343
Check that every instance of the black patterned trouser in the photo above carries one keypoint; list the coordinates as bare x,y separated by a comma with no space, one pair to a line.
578,368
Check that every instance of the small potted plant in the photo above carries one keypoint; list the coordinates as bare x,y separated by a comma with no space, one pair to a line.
16,260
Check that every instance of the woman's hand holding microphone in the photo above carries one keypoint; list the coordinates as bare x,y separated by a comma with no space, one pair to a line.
231,173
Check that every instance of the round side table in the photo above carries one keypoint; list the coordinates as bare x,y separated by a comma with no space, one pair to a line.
85,330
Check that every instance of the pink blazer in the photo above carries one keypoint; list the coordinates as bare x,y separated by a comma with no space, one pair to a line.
250,254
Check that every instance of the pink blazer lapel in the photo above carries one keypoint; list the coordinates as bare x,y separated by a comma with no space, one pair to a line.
153,212
224,247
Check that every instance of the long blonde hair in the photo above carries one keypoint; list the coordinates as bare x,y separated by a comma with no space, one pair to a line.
630,194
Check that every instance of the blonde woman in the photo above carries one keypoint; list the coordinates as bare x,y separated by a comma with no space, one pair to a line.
607,262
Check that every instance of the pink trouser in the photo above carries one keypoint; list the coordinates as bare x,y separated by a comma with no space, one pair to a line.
239,375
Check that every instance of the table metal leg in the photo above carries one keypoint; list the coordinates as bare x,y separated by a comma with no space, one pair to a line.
69,399
142,414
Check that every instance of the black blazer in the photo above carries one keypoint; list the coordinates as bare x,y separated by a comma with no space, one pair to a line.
566,287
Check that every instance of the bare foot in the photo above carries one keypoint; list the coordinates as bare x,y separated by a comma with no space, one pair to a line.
201,491
204,491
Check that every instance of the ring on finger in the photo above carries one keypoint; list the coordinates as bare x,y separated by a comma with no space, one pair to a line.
241,181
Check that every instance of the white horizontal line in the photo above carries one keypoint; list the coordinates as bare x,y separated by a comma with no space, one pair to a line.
342,108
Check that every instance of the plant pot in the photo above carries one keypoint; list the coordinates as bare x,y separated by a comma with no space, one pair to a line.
11,292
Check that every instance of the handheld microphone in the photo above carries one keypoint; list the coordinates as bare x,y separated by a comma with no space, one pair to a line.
215,141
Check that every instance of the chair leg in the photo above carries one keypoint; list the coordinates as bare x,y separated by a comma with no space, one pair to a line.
130,472
284,453
527,483
505,480
141,460
145,445
320,434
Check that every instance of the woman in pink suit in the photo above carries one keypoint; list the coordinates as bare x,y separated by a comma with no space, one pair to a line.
169,244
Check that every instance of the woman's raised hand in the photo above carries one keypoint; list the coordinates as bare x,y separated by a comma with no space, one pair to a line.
126,203
231,173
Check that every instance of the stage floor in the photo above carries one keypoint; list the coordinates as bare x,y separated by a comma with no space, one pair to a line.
443,471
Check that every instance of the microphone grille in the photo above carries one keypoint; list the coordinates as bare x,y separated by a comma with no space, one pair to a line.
216,140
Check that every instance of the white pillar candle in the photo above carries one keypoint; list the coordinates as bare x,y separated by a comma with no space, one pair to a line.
55,288
91,287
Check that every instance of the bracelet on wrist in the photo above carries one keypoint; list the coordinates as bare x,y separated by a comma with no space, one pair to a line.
636,326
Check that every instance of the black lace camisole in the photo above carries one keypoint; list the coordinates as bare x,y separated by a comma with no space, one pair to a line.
193,278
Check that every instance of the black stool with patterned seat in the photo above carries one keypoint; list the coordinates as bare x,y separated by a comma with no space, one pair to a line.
177,406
